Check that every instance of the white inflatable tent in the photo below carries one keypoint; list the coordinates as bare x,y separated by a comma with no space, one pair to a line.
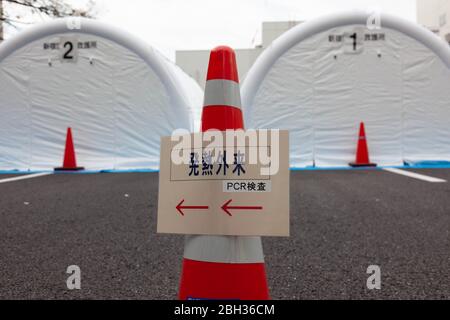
322,78
118,95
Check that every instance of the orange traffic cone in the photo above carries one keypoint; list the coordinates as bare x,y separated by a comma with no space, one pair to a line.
362,152
223,267
69,162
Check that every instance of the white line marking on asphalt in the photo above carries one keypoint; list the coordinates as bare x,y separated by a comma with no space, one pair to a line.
415,175
25,176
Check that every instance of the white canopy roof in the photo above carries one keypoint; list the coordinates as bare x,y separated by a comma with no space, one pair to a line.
323,77
118,95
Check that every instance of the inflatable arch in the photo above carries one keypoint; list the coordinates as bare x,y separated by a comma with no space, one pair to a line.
118,95
321,78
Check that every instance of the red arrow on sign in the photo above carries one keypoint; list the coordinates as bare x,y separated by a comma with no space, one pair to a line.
180,207
226,207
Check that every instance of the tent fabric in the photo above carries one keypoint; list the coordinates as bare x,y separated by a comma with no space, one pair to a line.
321,90
119,98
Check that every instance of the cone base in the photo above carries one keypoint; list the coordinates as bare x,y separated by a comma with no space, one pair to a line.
69,169
362,165
224,281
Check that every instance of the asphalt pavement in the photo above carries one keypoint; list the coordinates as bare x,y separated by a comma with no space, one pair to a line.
341,223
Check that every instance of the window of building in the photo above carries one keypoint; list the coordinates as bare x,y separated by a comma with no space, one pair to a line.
443,20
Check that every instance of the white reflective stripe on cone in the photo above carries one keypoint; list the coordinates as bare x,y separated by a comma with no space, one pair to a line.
224,249
222,93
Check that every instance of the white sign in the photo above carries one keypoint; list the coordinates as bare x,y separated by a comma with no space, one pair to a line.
220,191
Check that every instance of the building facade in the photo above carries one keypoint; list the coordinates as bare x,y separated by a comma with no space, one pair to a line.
435,15
195,62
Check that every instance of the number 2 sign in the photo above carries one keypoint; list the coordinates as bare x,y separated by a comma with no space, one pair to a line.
68,49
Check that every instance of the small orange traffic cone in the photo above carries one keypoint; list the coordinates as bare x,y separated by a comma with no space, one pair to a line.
362,152
223,267
69,162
